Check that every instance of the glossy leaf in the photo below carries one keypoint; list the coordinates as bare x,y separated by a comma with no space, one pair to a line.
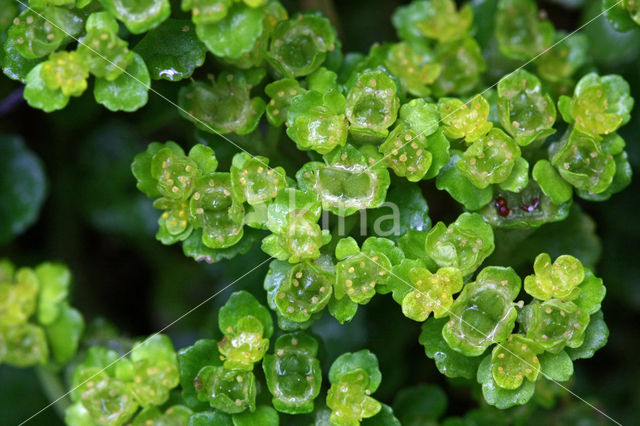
172,51
497,396
66,71
465,120
300,45
461,64
226,390
36,34
459,187
38,94
557,280
350,179
107,55
555,324
484,312
372,104
128,92
23,186
293,373
463,245
514,361
525,112
600,105
490,159
520,32
449,362
582,162
223,106
443,22
139,16
292,218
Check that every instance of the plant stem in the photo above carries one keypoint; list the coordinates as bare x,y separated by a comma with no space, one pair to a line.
53,388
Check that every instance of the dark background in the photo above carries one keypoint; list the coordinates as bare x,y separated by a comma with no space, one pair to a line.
95,221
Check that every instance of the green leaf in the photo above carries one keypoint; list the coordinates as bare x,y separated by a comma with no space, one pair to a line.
591,293
106,55
449,362
498,397
353,377
462,64
66,71
420,404
317,121
64,333
555,324
282,92
223,106
36,34
349,180
384,417
303,291
235,34
600,105
229,391
557,367
484,312
520,32
38,94
214,209
172,51
595,337
14,65
414,66
490,159
23,186
431,292
405,210
463,245
293,217
557,280
293,373
524,111
210,418
300,45
26,345
514,361
459,187
561,63
240,305
443,22
54,282
190,360
139,16
551,183
128,92
343,309
468,120
177,415
264,415
194,247
372,104
254,181
582,162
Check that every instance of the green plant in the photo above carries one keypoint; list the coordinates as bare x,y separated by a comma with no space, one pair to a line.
370,129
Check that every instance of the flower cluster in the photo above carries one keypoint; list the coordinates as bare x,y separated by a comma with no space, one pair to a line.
37,325
371,127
